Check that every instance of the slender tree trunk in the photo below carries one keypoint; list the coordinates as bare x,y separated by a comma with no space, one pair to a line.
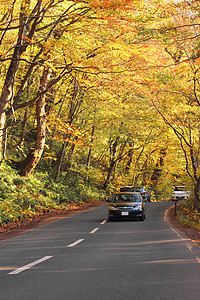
158,168
135,175
60,159
70,159
23,131
91,141
27,166
74,106
113,160
8,88
194,160
196,196
90,150
110,172
54,130
5,144
196,180
130,159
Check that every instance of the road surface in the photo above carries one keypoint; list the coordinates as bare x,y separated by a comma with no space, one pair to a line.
83,257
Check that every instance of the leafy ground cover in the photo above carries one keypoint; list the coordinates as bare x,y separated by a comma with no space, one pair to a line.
25,201
187,217
188,223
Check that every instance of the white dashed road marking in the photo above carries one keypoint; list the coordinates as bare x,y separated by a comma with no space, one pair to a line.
94,230
26,267
75,243
102,223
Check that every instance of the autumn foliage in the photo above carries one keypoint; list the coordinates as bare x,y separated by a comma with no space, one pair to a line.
106,92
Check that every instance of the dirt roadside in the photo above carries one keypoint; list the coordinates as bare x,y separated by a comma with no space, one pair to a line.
190,232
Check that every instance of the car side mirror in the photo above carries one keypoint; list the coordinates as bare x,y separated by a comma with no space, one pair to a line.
109,198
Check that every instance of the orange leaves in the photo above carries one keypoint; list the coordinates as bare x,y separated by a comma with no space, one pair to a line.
27,39
64,131
109,4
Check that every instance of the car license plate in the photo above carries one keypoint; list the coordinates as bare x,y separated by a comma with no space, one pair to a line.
125,213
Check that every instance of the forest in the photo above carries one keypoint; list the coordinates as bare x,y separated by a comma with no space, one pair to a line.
94,95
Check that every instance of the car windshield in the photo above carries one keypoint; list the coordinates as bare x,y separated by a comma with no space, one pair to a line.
179,188
126,198
138,189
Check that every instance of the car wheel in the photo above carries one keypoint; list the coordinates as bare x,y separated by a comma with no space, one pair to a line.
142,217
110,219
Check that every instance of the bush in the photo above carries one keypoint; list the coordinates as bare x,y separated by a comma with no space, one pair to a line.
187,217
22,198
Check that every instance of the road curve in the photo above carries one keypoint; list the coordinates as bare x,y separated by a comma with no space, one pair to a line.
85,257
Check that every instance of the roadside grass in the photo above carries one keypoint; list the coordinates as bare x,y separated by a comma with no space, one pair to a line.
24,198
187,217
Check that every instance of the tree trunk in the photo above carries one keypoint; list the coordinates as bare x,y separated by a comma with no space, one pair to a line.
110,172
29,163
158,168
113,160
8,88
23,130
130,159
196,196
74,106
60,159
91,141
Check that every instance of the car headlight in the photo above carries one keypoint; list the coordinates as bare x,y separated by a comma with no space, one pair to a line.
112,208
138,207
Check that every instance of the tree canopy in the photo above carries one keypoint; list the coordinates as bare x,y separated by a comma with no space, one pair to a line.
105,89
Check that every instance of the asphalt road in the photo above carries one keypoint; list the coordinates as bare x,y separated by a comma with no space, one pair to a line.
84,257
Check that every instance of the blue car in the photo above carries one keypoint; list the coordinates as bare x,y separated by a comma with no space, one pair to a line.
141,189
127,205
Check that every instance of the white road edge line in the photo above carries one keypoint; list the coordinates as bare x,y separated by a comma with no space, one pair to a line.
198,259
94,230
26,267
103,222
75,243
189,246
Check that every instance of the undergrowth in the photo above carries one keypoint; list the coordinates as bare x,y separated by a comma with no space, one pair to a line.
22,198
188,217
